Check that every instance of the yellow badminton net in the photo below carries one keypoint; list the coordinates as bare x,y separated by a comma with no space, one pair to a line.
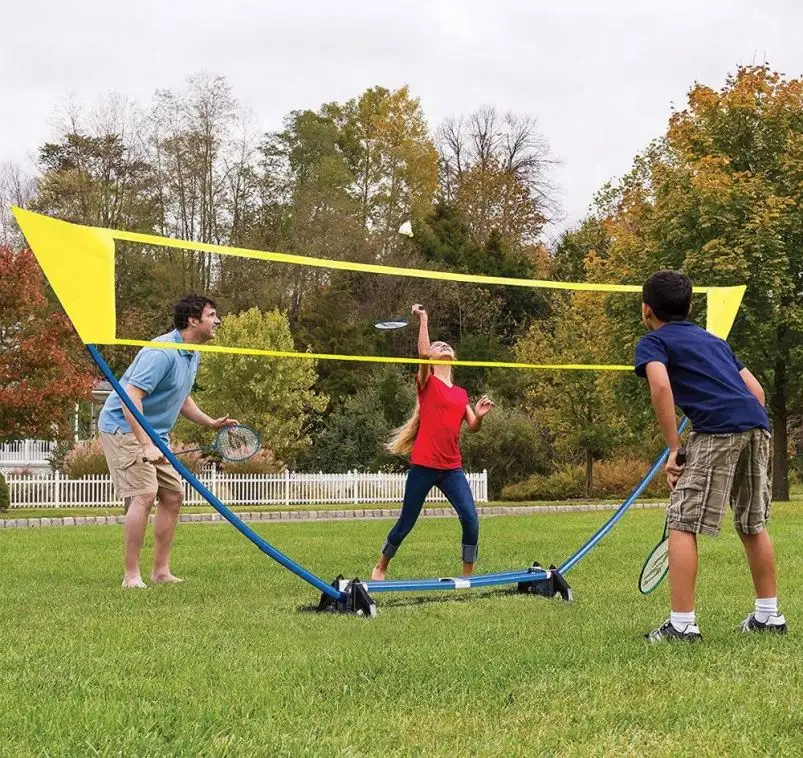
78,261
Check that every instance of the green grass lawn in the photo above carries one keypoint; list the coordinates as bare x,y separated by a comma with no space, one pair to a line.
234,663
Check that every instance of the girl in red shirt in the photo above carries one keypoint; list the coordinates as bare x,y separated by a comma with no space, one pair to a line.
432,440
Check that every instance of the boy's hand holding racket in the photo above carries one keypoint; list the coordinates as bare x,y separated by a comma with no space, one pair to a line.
674,466
657,563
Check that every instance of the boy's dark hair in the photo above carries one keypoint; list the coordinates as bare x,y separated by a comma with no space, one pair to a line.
190,306
668,293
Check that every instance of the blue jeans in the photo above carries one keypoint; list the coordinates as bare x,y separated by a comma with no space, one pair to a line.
453,484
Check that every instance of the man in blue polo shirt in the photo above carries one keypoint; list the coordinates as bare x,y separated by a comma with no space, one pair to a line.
159,383
727,453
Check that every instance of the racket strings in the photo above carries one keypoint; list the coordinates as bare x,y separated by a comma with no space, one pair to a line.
237,443
655,568
395,323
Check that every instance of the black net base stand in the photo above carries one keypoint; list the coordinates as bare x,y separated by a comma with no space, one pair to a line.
552,585
355,599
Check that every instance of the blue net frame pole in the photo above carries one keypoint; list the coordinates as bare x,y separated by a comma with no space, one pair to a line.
223,510
595,538
456,583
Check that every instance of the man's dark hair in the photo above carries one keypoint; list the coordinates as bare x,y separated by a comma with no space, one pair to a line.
668,293
190,306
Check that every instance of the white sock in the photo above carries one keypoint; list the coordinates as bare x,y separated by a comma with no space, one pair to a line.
765,608
682,620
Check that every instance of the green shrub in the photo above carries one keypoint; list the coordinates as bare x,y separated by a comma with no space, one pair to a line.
352,438
564,484
509,445
85,459
61,451
618,478
5,497
194,461
263,462
612,480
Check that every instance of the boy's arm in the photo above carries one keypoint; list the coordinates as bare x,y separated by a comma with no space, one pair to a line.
753,385
663,401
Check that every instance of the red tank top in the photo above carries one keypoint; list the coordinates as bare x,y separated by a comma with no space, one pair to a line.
442,411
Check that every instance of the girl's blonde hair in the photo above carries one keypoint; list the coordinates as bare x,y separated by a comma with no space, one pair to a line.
402,439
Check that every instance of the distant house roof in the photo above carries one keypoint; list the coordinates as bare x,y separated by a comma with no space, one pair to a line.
100,390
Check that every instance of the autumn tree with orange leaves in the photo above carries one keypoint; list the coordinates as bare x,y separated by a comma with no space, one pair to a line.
719,197
42,372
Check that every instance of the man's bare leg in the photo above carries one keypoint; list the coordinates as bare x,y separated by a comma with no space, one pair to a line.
136,521
164,529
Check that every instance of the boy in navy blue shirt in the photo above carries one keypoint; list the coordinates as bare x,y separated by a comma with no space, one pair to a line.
727,453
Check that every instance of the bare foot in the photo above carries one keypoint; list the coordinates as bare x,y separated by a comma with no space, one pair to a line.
134,583
165,579
377,575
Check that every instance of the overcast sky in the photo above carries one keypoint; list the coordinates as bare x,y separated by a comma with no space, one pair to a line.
600,77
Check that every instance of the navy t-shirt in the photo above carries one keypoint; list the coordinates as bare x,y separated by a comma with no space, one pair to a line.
704,374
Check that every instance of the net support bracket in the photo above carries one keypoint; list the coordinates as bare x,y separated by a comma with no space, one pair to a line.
552,585
354,598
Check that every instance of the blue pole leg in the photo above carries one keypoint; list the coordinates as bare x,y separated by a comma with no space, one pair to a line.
595,538
223,510
456,583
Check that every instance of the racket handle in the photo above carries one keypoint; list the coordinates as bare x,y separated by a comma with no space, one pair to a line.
680,456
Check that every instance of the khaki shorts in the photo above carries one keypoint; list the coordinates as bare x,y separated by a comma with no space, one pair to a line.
721,469
130,474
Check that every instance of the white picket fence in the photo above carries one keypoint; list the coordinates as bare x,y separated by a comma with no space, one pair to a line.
288,488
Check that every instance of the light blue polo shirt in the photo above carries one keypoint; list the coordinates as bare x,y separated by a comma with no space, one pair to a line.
166,376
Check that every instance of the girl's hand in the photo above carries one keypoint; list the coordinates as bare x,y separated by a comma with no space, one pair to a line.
418,311
484,406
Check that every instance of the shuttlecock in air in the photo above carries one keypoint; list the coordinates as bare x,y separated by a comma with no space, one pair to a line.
406,229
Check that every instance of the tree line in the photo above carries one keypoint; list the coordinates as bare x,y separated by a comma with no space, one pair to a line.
717,196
